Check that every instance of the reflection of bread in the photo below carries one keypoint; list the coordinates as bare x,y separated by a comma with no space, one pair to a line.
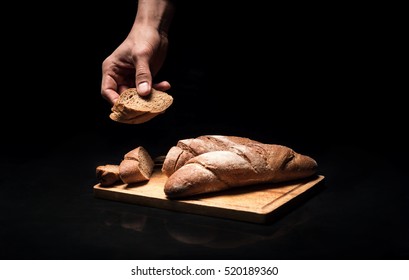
137,166
107,174
210,236
215,162
190,233
132,108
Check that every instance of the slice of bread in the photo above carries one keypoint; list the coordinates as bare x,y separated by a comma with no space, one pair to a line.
137,166
107,174
132,108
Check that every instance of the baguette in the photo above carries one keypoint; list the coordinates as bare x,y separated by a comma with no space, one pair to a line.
215,163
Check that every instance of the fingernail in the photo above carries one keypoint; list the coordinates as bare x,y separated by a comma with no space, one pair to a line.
143,88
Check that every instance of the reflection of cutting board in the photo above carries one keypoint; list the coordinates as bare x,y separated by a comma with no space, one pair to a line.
257,203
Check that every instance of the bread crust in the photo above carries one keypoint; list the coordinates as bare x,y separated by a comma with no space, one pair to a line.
107,174
131,108
186,149
137,166
218,162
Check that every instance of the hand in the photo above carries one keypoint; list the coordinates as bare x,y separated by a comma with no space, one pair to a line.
141,55
133,63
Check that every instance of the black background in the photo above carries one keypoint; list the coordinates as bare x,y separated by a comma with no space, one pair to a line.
319,79
292,74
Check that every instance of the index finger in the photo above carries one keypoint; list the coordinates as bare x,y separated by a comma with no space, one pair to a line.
108,89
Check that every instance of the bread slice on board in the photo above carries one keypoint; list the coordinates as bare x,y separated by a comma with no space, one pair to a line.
107,174
137,166
131,108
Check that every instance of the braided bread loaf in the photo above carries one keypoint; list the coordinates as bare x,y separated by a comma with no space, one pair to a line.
213,163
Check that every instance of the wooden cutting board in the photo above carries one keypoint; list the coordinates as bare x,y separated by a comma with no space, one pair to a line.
256,203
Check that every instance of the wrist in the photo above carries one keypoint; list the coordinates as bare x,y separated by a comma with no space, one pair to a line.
155,13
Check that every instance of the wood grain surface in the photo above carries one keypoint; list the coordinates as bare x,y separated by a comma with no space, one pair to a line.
256,203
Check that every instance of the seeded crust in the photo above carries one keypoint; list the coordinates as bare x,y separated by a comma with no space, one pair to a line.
132,108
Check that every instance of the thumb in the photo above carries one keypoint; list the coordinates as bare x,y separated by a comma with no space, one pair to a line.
143,78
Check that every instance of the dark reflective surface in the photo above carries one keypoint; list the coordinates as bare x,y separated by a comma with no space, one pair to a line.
292,76
48,212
